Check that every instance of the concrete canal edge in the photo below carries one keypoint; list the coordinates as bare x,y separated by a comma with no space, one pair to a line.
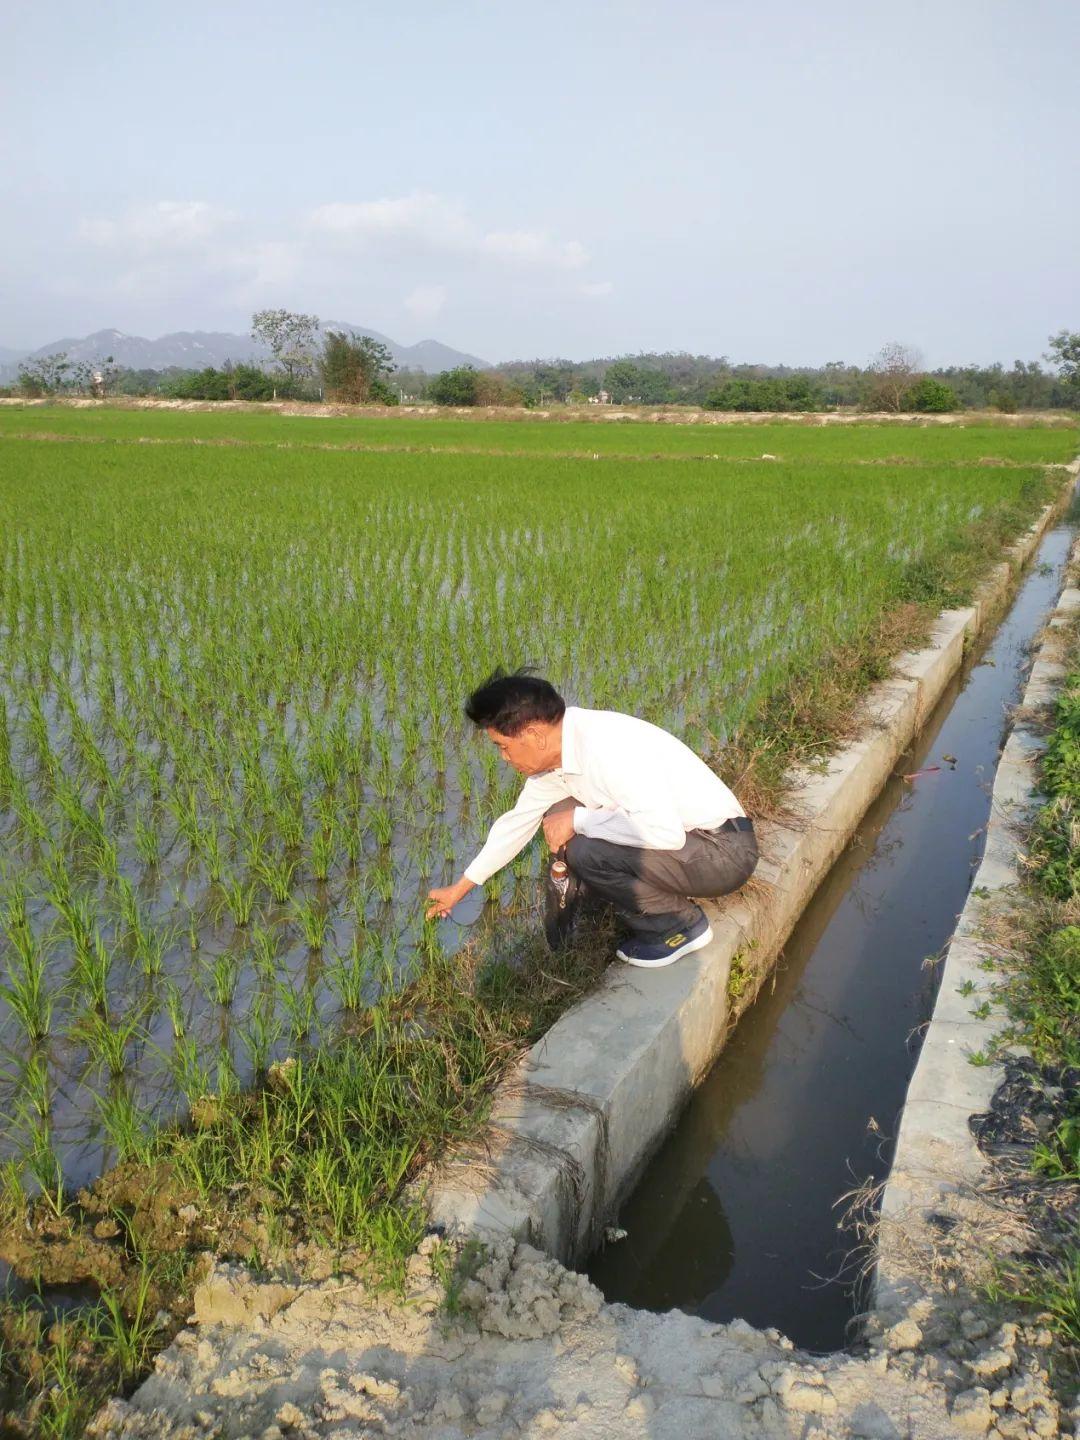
578,1118
936,1154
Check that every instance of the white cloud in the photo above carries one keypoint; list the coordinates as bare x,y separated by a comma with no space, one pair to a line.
339,258
438,224
172,224
421,215
426,301
534,247
596,290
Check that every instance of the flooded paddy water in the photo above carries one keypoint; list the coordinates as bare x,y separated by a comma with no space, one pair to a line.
741,1213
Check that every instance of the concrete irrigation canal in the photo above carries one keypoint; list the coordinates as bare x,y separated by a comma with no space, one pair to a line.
739,1214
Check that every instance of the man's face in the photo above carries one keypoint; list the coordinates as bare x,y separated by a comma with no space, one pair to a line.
529,752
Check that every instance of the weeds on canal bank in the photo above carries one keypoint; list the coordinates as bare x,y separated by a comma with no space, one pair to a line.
1040,990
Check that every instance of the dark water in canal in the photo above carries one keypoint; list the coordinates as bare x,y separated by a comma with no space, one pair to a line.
739,1213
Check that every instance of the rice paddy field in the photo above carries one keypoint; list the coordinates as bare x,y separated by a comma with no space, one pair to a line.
232,751
234,647
1006,441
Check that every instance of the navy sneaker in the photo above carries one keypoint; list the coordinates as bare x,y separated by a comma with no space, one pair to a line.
666,948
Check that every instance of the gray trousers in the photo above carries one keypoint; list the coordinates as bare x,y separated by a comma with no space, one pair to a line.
650,889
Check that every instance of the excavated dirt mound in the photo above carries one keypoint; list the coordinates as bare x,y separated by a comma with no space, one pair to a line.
535,1351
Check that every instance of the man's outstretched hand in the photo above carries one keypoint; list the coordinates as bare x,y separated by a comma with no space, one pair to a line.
442,899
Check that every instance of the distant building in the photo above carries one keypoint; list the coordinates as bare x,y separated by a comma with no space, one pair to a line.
603,398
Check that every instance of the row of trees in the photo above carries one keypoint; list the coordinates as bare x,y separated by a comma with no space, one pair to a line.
344,367
309,363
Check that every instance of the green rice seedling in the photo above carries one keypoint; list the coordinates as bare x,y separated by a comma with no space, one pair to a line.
34,1090
7,764
105,857
184,805
33,823
289,821
27,991
312,919
173,1005
222,976
130,922
239,898
252,846
384,776
382,824
125,1124
323,851
263,949
276,873
44,1167
150,779
381,874
429,946
127,1332
74,911
91,969
226,1080
260,1034
211,852
94,763
192,928
12,1194
147,838
349,976
108,1040
15,917
188,1075
37,730
298,1006
353,843
150,945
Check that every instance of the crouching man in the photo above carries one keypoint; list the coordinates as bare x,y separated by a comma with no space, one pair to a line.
642,821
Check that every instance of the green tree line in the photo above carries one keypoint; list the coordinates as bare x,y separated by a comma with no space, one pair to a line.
357,369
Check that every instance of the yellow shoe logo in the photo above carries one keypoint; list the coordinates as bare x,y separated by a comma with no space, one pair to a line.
674,940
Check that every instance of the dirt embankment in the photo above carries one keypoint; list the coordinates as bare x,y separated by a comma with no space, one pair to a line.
535,1351
598,414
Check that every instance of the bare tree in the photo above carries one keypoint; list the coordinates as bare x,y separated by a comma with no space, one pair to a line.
893,371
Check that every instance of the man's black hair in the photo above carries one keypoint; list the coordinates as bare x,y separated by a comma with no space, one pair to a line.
507,703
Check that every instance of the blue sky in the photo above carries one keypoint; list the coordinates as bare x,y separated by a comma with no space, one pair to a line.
776,181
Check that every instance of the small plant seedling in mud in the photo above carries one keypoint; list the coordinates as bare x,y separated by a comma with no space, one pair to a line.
980,1058
738,976
980,892
1059,1155
454,1267
966,988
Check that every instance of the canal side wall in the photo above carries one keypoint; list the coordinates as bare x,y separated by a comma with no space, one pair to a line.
578,1118
936,1154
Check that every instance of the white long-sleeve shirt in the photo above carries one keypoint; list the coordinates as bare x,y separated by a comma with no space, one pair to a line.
637,784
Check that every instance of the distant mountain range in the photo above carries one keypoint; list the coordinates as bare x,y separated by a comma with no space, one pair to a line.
195,349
